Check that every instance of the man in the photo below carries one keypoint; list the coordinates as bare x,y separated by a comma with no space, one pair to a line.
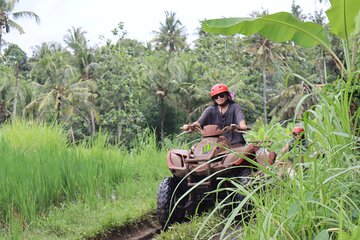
297,146
298,142
224,112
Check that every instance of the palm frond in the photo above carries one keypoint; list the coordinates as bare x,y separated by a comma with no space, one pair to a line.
28,14
13,24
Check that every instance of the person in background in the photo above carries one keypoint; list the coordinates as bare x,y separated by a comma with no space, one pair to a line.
298,142
296,146
224,112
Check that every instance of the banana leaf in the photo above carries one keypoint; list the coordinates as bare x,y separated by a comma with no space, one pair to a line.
342,16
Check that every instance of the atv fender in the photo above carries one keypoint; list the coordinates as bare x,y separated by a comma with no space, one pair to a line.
175,158
239,155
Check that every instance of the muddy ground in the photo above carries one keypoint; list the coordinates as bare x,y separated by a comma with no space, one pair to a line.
144,229
148,228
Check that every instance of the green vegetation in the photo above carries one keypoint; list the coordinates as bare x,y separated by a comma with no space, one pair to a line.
50,186
320,200
319,197
122,86
100,165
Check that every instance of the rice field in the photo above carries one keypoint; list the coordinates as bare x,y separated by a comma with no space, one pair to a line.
44,180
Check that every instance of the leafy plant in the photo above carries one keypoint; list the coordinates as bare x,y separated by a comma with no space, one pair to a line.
279,27
318,201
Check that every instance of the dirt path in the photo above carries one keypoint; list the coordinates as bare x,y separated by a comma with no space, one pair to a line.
148,228
141,230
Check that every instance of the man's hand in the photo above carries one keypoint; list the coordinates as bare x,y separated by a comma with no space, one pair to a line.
195,124
192,126
185,127
234,127
243,125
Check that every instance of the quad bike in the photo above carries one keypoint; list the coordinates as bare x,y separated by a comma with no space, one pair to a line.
197,171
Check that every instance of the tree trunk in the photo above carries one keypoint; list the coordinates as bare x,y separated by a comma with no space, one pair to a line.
72,134
319,69
92,119
3,112
58,109
0,37
171,47
264,86
16,91
119,130
161,118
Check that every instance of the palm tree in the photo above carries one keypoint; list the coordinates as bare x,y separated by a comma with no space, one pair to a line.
16,58
76,41
188,93
61,92
83,56
160,81
171,35
6,82
286,101
6,23
266,58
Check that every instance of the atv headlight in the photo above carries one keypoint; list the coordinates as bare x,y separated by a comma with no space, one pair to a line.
176,160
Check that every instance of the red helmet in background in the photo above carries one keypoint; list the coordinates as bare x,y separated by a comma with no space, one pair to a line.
218,88
298,130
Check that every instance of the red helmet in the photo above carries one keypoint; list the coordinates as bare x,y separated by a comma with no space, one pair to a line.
298,130
218,88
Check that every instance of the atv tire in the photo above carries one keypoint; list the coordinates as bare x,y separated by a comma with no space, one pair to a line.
166,201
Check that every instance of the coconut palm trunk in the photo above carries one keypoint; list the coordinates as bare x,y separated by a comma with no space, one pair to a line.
72,134
119,130
92,119
58,110
16,91
264,85
162,115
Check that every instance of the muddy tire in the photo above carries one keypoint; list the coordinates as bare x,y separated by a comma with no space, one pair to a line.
166,201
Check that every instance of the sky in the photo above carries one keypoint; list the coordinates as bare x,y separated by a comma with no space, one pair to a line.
140,17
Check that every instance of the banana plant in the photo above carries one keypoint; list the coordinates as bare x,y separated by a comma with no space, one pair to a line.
343,16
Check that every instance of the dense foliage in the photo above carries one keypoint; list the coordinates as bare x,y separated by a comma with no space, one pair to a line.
122,86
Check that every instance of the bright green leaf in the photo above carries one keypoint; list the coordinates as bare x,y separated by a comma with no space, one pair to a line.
278,27
342,16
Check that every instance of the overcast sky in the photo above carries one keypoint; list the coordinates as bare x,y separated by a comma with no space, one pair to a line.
141,17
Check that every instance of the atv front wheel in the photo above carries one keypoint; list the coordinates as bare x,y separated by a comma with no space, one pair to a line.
166,201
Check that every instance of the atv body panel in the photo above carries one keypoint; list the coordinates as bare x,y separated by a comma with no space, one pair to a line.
200,167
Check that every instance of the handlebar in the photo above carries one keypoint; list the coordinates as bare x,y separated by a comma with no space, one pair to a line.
187,128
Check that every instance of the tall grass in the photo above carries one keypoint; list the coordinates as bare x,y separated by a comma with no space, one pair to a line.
321,200
40,170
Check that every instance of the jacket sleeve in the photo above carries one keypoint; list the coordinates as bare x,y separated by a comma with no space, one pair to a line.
205,117
239,115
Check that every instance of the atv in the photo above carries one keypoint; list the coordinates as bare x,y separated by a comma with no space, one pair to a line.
197,171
